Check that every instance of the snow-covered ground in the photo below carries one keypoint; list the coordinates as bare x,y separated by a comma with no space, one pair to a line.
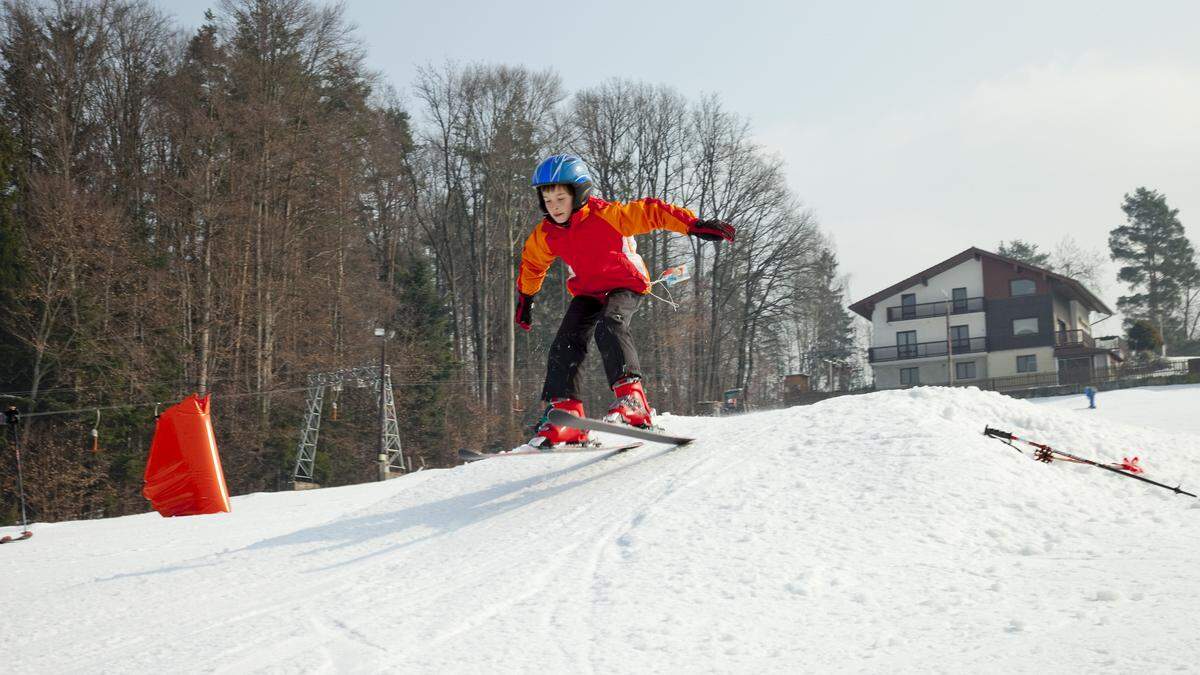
1174,408
874,533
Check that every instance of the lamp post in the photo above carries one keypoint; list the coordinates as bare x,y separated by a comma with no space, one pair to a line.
829,382
949,346
840,365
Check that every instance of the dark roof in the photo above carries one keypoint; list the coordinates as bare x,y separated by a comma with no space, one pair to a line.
865,306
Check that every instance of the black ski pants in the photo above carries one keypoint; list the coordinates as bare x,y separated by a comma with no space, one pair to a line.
609,319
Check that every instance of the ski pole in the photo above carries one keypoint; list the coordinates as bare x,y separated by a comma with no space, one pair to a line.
1045,454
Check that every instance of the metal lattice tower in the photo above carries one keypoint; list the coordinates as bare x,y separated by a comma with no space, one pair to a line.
364,376
391,425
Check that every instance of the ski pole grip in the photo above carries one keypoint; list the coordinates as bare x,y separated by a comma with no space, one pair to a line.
996,433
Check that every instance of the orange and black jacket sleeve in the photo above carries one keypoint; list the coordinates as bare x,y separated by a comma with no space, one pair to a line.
536,259
643,215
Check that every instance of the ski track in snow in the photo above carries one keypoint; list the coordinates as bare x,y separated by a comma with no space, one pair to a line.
871,533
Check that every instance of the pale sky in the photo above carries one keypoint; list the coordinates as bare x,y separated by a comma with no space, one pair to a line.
912,129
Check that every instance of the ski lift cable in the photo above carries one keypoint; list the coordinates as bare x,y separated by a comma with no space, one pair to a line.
25,393
155,404
269,392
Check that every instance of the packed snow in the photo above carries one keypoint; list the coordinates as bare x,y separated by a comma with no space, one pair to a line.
876,533
1174,408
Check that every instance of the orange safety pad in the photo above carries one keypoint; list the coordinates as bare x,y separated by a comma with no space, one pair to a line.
183,475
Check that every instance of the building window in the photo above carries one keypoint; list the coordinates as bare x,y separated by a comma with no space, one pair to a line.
906,344
1022,287
959,296
910,377
1027,364
908,305
964,370
1025,326
960,338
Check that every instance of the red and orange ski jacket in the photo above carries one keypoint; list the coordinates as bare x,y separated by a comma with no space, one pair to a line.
597,246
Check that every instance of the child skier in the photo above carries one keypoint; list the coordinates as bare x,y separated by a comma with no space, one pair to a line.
607,280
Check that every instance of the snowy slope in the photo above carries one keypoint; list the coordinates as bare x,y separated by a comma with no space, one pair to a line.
880,533
1175,408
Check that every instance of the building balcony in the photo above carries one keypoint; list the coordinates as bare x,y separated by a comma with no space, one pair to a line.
1073,338
921,350
1113,345
926,310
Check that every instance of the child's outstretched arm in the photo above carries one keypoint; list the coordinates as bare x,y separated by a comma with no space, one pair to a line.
643,215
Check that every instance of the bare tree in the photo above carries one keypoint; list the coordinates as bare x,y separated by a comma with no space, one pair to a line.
489,125
53,61
1072,259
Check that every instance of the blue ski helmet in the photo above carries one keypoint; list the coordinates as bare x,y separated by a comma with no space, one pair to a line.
566,170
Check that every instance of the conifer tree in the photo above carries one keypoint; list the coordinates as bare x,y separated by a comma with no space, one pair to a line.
1157,260
834,340
1026,252
421,388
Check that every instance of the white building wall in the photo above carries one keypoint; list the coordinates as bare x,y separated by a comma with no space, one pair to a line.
887,375
981,367
1080,317
931,329
1073,313
1004,364
968,274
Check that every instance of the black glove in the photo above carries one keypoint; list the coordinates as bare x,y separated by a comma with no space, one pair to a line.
711,230
525,311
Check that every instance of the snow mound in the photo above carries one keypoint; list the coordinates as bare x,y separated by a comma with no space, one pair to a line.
876,532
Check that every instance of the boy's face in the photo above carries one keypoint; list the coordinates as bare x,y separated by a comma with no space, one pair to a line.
558,200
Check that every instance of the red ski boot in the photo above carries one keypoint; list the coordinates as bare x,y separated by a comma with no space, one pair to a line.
630,407
551,434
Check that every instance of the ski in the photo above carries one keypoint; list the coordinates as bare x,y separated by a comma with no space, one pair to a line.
527,450
566,419
20,537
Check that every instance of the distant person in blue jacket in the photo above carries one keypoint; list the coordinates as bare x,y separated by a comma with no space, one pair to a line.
1090,393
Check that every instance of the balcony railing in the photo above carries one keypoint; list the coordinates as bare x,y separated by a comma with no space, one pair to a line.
1148,373
1073,338
922,350
925,310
